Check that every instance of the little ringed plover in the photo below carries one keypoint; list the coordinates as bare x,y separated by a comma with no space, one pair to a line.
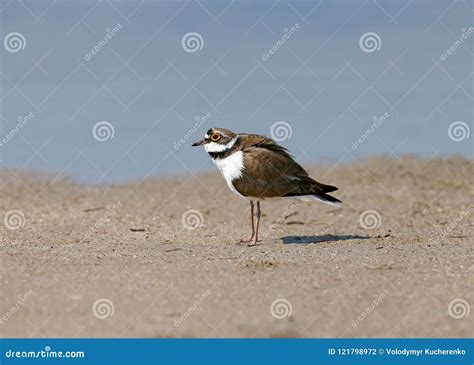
255,167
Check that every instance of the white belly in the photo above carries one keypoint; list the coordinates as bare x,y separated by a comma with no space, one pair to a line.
231,168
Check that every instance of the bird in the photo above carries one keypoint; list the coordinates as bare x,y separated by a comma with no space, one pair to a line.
255,167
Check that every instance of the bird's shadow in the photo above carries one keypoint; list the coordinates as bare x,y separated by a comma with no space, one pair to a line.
320,239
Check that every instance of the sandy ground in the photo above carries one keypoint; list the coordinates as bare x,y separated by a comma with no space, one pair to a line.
118,261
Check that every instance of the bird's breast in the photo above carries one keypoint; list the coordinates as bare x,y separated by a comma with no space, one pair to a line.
231,168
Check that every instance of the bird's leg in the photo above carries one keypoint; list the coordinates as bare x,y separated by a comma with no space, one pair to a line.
258,214
253,226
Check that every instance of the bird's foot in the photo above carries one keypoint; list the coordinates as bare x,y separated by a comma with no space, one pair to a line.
245,241
250,242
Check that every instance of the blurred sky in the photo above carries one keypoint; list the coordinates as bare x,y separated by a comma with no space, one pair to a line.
151,90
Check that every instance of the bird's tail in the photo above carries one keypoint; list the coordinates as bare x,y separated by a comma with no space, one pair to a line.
323,197
316,191
328,199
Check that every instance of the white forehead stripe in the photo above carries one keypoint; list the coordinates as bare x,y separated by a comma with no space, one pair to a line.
216,147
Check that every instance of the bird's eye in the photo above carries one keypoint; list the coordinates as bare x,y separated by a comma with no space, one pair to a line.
216,137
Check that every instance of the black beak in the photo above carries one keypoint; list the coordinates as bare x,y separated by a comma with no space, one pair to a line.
199,143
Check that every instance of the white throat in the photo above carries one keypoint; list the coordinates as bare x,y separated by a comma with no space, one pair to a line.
216,147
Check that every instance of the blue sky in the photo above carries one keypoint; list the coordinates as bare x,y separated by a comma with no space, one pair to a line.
151,90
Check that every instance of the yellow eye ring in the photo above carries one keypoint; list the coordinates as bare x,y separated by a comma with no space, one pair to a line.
215,137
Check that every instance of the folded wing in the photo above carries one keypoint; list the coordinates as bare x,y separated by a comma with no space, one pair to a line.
270,171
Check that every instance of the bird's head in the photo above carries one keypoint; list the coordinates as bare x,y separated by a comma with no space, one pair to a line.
217,140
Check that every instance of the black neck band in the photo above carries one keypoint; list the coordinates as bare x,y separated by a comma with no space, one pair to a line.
226,152
219,155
